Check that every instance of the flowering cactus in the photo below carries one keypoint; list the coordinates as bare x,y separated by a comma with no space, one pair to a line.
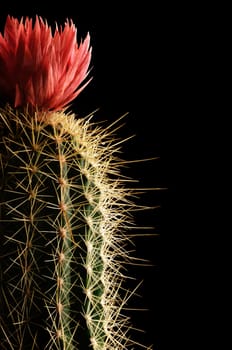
63,204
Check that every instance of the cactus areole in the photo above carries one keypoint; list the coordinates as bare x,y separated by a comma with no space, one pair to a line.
64,206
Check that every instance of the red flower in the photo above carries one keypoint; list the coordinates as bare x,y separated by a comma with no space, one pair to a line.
40,69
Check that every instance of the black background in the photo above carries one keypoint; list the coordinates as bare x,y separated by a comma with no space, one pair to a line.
130,70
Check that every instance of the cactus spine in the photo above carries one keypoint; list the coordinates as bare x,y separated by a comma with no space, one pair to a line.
64,209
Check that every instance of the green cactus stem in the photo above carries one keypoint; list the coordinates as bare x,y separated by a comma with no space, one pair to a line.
63,213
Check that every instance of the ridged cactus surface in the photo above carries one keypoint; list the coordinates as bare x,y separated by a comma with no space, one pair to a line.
63,212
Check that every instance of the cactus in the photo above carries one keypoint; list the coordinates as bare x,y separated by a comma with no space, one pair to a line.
64,208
